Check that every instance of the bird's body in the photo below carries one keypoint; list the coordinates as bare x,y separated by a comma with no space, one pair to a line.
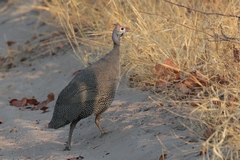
91,91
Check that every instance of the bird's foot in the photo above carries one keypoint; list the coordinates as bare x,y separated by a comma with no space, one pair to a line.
67,147
104,133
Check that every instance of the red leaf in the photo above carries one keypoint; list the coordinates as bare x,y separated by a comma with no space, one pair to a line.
44,103
168,67
44,109
160,71
160,84
9,43
18,103
193,104
32,101
191,83
183,88
50,97
12,100
168,63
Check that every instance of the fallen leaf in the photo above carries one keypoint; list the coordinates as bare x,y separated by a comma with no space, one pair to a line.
44,109
75,158
163,156
12,130
10,65
9,43
32,101
39,106
50,97
160,71
168,67
183,87
193,104
160,84
12,100
43,104
23,59
168,63
18,103
190,82
196,79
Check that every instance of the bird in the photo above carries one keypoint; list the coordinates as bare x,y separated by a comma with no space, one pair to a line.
91,91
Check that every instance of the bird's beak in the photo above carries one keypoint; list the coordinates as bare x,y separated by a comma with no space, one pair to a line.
126,29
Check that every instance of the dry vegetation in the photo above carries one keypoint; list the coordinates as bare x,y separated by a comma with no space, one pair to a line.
187,58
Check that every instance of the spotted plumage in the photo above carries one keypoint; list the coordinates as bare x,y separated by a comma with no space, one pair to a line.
91,91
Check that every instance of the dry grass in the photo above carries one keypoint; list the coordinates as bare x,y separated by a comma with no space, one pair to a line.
160,30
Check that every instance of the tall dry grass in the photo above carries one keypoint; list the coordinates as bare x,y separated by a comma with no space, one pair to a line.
159,31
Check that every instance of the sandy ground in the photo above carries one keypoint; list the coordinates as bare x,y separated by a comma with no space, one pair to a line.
139,129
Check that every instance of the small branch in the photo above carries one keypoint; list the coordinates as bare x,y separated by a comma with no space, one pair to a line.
168,19
215,36
221,37
210,13
226,37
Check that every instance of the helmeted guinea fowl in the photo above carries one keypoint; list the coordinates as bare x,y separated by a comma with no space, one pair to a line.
91,91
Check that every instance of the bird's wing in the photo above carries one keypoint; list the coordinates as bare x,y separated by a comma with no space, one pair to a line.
83,87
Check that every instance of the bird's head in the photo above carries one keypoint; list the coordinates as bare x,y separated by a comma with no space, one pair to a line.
118,32
121,30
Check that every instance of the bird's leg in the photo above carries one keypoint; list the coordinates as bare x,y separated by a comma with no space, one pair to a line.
97,122
72,127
